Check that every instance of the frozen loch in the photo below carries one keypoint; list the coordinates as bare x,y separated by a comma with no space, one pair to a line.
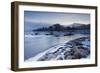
74,49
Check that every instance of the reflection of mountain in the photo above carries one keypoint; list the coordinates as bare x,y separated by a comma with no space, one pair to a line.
58,27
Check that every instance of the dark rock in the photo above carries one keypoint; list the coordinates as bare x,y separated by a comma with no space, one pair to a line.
74,49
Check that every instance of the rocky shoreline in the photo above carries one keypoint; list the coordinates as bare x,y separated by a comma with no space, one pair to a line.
74,49
78,48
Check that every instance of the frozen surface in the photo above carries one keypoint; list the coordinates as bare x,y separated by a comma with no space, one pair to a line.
74,49
35,44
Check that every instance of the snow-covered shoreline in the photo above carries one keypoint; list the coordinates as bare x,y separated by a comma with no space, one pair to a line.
74,49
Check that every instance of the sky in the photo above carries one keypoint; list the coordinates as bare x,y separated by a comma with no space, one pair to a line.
55,17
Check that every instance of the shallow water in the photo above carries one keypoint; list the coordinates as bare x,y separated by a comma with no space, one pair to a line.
34,44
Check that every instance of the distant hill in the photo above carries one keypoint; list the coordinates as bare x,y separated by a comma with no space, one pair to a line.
28,27
59,27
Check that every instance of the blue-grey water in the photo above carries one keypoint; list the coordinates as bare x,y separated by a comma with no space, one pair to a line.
34,44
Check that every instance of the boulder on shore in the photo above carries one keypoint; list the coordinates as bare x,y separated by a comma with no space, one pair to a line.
74,49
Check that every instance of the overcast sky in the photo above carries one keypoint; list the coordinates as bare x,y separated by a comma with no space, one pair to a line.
53,17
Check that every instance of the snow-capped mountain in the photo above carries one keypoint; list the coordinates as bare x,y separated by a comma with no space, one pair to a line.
78,25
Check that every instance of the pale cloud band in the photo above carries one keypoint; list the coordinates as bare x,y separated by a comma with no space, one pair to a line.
56,17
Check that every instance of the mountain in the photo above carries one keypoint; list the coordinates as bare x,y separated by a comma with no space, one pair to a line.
76,25
59,27
79,26
32,26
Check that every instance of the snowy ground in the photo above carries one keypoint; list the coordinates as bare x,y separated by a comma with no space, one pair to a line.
74,49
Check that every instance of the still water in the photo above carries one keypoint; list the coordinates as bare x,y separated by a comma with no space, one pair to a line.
34,44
